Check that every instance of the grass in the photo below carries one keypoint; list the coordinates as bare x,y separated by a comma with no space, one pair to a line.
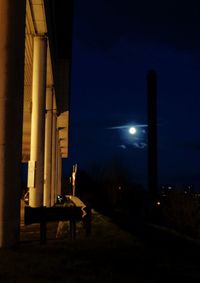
108,255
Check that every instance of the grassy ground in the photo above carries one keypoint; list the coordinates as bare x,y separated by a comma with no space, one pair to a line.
108,255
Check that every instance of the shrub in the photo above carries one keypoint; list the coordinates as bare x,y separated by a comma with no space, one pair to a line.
181,212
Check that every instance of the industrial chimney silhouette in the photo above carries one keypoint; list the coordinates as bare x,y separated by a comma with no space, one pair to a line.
152,133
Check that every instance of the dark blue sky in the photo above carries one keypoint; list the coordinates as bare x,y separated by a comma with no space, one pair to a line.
115,43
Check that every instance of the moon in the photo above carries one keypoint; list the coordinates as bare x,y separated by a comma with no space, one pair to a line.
132,130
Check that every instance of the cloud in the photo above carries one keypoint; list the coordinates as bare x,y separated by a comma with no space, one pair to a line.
139,145
122,146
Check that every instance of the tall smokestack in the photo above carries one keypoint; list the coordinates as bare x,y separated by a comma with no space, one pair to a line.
152,133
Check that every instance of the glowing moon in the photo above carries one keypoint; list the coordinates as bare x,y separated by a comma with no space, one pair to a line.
132,130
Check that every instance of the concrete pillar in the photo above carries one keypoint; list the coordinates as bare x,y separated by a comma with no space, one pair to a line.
48,147
36,163
53,172
56,166
59,170
12,34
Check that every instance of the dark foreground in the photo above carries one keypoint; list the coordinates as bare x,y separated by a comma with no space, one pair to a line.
108,255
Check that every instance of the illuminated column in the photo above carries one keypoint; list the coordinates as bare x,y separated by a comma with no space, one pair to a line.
59,170
48,148
56,165
12,33
36,163
53,171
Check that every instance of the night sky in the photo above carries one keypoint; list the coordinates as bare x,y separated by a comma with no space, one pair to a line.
115,43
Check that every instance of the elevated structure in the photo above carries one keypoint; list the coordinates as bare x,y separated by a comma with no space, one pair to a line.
57,79
34,95
152,134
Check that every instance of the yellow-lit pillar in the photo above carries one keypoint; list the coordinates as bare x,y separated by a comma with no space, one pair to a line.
56,167
48,147
53,171
12,34
36,163
59,162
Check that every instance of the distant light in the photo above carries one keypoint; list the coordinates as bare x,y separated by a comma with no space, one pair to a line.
158,203
132,130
